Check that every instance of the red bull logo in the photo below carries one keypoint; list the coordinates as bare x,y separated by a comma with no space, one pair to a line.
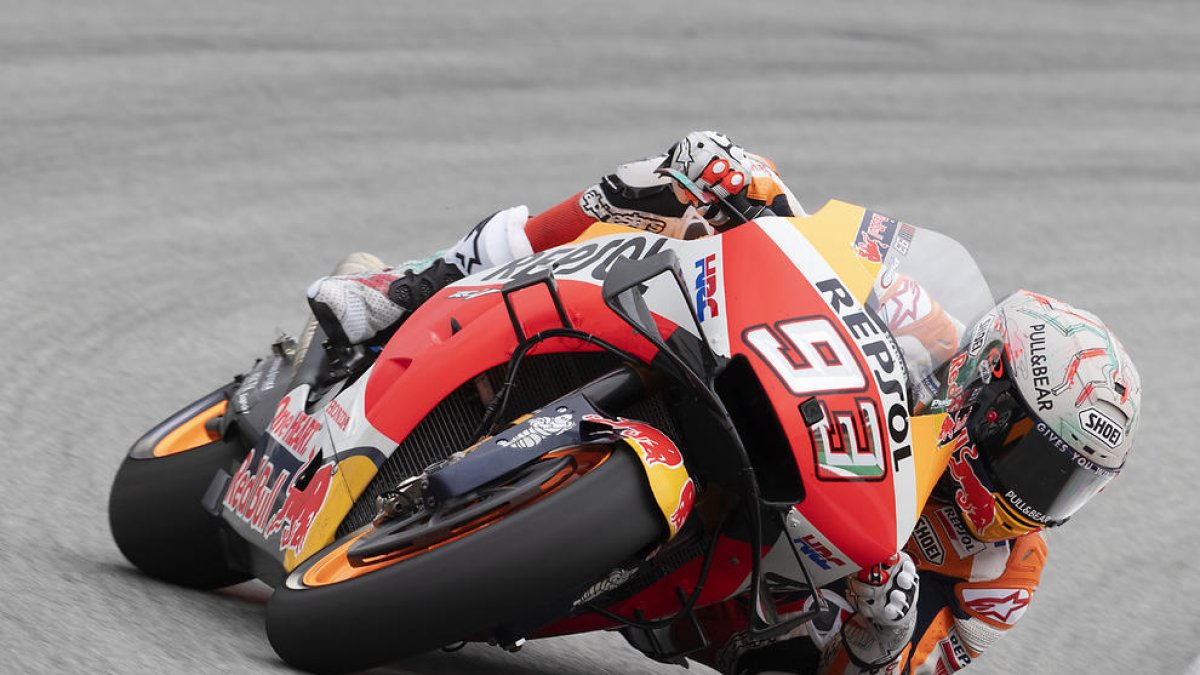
252,494
952,424
299,510
687,496
973,498
655,447
875,236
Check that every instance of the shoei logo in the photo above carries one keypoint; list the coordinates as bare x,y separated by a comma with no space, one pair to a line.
1102,427
927,540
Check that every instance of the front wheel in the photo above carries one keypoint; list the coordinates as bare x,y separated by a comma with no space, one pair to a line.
525,548
158,520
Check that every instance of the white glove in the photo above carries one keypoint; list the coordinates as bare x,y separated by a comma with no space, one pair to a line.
886,599
707,165
887,594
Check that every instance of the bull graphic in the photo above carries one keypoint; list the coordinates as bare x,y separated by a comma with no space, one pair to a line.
655,447
868,250
687,495
300,509
973,498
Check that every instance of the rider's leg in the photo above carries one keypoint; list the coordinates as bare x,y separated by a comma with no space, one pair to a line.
370,305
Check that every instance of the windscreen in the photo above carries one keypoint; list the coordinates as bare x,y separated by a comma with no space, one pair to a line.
928,289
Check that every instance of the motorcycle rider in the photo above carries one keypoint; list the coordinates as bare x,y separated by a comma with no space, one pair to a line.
677,194
1041,403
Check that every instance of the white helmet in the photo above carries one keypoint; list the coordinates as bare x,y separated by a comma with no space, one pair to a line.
1049,400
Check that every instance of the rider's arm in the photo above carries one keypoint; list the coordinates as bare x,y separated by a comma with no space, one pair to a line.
636,196
965,605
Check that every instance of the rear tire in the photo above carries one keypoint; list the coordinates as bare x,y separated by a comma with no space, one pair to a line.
530,564
159,524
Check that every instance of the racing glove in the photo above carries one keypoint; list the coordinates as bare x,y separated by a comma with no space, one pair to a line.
886,599
708,169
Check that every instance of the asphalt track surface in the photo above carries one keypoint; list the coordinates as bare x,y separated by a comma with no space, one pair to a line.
172,176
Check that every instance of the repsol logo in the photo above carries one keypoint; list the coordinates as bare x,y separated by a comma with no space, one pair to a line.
593,258
883,358
960,537
1101,426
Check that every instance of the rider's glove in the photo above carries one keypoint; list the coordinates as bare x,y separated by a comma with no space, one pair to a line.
886,599
707,169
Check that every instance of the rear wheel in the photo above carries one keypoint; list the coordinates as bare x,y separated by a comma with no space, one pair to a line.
518,552
159,523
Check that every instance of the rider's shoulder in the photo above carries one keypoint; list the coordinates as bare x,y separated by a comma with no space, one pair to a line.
941,543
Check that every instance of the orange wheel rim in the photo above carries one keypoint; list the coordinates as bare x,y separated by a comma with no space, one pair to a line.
191,434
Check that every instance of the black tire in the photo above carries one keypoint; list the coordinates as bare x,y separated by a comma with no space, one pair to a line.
159,524
535,558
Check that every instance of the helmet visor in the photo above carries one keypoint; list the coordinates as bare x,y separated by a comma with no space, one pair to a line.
1040,476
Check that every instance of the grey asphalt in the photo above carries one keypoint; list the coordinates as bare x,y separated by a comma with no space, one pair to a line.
173,175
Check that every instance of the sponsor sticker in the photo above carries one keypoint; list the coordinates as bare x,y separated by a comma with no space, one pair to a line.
904,238
300,509
687,496
590,260
954,653
927,541
819,552
251,493
656,447
972,496
875,236
1000,605
964,544
1102,427
539,429
295,429
338,414
706,288
884,363
1039,367
982,328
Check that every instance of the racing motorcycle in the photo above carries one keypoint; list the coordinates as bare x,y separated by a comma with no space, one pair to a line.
611,434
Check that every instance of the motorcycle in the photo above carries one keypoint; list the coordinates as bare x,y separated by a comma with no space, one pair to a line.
611,434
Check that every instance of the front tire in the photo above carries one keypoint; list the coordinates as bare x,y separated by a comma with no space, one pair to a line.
159,523
333,617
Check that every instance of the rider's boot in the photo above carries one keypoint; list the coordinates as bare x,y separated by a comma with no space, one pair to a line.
366,308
